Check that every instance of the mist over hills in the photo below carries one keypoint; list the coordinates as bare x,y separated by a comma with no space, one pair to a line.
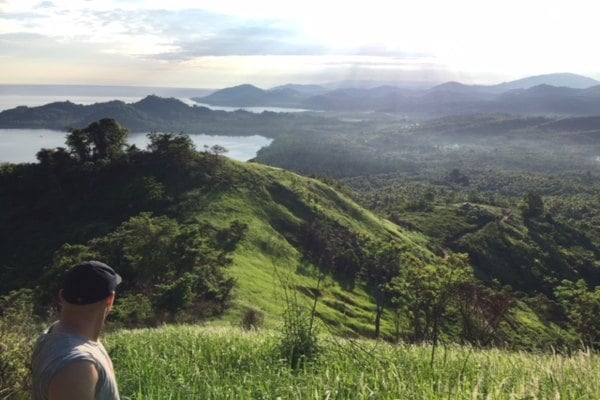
561,79
559,94
554,94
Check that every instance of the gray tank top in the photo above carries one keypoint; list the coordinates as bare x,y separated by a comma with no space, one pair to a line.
54,350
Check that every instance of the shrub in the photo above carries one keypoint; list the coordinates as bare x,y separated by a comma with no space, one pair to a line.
299,340
18,330
133,311
252,319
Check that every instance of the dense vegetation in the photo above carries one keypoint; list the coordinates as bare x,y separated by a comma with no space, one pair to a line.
95,201
158,217
519,195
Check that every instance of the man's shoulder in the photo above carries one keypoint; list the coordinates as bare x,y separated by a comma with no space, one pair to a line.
56,354
52,347
76,380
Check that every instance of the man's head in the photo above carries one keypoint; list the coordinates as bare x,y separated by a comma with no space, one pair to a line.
89,282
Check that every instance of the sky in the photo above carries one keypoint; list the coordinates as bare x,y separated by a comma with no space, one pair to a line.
221,43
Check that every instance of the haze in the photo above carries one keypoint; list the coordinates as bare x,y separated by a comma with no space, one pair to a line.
213,44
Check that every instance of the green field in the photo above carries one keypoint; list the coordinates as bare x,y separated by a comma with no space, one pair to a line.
192,362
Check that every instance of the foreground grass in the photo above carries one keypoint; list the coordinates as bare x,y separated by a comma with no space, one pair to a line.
225,363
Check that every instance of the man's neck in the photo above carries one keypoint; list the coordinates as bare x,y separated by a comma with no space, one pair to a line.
86,326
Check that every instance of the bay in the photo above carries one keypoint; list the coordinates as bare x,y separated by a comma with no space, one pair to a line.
257,110
21,145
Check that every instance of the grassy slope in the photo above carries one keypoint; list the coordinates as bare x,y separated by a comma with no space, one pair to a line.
275,203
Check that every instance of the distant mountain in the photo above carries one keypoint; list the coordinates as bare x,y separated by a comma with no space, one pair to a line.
150,113
156,114
248,96
242,93
563,94
593,91
457,87
553,96
565,80
371,84
560,80
306,89
546,99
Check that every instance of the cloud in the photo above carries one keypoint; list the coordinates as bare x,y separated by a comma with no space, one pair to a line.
194,33
154,40
33,46
20,16
45,4
242,41
182,34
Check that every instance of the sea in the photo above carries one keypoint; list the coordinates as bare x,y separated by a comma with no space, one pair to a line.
22,145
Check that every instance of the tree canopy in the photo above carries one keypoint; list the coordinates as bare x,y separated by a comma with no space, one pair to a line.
100,140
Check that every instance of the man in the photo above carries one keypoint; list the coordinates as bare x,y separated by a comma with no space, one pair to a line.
69,362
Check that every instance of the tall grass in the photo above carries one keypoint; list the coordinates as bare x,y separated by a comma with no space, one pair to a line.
227,363
18,331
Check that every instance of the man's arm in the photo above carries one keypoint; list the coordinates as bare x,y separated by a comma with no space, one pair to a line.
76,381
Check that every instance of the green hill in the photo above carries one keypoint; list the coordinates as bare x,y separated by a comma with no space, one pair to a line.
276,206
61,209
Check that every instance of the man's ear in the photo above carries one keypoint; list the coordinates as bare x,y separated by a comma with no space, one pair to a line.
110,299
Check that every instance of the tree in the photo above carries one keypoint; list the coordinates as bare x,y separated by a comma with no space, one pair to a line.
333,247
79,145
582,307
218,150
381,266
457,177
177,152
57,157
425,292
532,206
105,139
179,271
482,309
108,137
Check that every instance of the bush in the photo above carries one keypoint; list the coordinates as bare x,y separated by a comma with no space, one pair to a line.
252,319
299,340
19,329
133,311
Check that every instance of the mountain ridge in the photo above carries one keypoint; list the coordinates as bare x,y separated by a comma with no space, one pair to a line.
447,98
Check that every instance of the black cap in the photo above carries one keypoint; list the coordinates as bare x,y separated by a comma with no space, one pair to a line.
89,282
